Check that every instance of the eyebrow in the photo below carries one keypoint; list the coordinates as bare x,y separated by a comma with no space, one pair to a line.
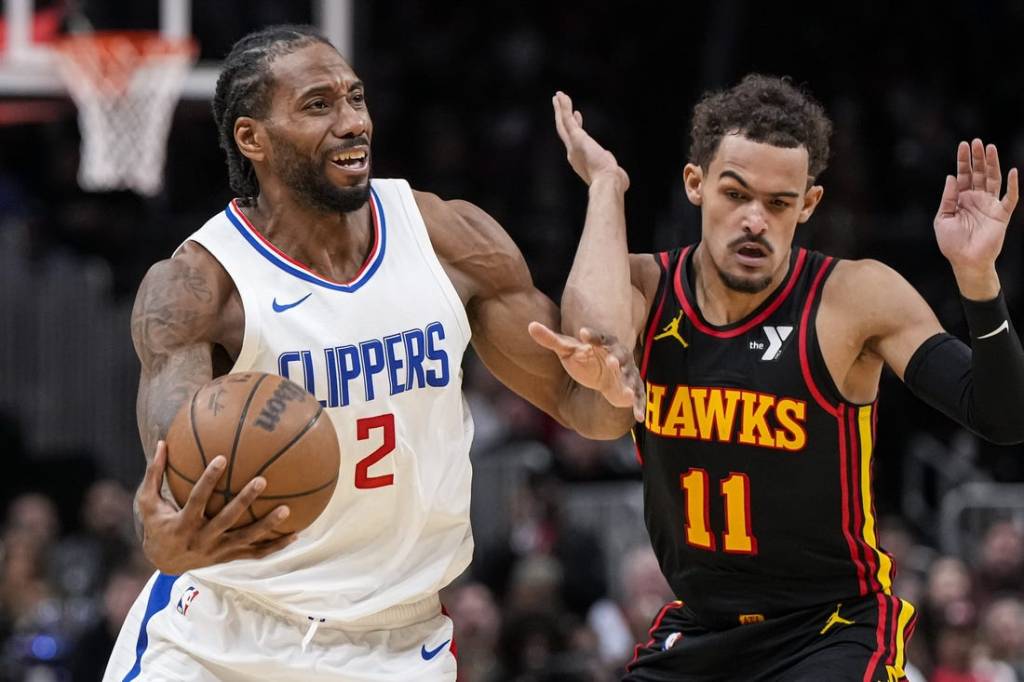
327,87
738,178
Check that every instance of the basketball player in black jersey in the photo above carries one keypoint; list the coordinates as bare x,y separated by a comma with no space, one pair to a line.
761,363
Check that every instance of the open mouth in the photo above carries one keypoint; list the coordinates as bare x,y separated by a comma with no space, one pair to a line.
752,251
751,254
351,160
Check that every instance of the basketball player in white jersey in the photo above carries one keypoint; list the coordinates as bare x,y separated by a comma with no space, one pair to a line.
367,293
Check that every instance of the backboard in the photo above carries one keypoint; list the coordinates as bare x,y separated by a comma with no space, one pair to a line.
31,26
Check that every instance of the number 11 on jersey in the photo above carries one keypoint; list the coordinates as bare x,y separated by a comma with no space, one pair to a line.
738,537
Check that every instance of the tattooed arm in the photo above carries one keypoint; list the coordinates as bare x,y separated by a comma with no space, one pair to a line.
174,325
178,318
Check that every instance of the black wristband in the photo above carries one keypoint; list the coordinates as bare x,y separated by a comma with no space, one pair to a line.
986,318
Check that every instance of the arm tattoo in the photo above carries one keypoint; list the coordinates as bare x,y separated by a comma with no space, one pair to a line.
194,281
172,331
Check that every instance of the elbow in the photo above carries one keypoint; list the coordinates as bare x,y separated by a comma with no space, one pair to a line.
603,434
606,427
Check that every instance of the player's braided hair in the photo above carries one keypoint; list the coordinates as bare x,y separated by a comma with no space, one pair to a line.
764,109
243,89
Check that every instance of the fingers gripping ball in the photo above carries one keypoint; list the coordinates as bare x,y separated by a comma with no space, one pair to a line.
263,425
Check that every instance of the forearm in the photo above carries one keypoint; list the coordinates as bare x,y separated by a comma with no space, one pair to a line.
977,284
598,293
981,386
591,415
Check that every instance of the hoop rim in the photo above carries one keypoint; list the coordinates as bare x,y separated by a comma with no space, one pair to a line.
146,43
105,61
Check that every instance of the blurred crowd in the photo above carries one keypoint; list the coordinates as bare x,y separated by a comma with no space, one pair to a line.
563,584
548,596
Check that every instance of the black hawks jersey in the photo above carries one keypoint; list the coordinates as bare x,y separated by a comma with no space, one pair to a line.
757,474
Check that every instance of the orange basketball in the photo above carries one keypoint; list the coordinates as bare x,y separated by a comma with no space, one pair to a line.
263,425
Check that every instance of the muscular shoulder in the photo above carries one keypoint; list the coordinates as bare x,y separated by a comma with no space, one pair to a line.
475,250
179,302
871,298
644,273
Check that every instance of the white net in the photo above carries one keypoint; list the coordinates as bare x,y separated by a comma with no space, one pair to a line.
125,86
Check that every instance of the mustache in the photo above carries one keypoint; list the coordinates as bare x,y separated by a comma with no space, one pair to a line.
752,239
361,141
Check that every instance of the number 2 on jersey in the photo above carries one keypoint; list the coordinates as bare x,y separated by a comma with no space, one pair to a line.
364,426
735,492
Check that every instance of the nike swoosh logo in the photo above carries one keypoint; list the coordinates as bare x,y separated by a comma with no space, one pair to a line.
428,654
280,308
1004,327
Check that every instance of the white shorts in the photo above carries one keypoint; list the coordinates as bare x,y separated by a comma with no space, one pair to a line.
181,629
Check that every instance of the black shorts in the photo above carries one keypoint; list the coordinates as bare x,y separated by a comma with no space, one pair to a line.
860,640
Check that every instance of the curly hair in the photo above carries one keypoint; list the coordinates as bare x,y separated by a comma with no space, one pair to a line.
243,89
764,109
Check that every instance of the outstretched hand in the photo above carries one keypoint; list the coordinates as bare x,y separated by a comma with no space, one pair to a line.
586,156
971,221
599,362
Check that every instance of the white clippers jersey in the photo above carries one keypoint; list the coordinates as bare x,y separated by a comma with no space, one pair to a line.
383,354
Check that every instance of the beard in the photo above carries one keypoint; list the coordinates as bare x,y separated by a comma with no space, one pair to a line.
310,183
743,284
746,285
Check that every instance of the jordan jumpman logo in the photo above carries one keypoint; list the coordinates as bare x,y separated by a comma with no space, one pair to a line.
835,619
672,329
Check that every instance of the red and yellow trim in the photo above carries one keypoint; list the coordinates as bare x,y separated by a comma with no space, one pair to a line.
856,450
896,620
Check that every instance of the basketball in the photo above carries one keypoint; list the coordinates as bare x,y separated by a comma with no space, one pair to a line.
263,425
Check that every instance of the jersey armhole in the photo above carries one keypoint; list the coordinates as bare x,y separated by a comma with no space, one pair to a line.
250,332
426,249
664,260
817,378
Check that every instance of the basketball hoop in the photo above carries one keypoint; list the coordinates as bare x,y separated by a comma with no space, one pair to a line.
125,85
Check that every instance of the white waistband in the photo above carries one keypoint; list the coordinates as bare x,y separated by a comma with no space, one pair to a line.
397,616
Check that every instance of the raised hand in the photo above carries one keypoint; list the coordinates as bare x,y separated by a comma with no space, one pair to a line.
599,362
586,156
177,541
972,218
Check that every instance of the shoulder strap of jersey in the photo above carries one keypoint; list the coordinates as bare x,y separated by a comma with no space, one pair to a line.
398,198
666,262
812,364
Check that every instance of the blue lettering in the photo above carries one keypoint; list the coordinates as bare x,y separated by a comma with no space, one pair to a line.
435,378
414,356
348,366
394,362
284,360
332,379
307,367
372,354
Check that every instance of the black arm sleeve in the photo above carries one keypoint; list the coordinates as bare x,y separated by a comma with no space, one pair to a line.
983,388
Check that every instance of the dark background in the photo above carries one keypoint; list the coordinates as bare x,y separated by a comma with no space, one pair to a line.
460,97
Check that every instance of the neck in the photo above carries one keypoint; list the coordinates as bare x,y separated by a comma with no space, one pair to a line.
719,304
331,243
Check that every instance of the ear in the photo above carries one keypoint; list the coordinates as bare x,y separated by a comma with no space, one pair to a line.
693,183
250,136
812,198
